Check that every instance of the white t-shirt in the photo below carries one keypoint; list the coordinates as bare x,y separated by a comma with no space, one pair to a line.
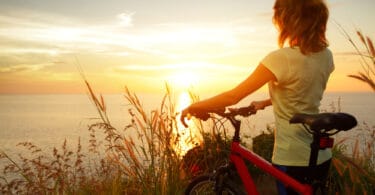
301,81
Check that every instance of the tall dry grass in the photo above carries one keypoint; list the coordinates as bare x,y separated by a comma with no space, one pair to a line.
353,172
141,158
353,160
145,152
366,52
353,166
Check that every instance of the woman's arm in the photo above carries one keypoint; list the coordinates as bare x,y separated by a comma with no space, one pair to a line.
257,79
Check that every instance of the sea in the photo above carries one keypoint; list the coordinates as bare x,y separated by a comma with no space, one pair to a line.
48,120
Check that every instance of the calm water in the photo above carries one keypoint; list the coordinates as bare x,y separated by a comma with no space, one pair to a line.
46,120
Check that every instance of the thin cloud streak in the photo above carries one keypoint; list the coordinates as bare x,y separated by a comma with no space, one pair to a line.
192,66
24,68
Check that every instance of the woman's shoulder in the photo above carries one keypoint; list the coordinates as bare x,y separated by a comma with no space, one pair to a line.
278,56
325,53
280,53
277,52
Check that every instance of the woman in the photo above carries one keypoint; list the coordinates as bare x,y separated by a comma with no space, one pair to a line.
297,76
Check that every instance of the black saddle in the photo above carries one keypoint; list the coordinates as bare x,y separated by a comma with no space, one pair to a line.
326,121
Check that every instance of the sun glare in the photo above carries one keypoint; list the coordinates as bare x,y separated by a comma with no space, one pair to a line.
184,79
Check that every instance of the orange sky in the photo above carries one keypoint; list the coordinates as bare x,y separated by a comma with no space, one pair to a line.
211,46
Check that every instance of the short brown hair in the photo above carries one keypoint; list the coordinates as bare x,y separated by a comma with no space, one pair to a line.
303,23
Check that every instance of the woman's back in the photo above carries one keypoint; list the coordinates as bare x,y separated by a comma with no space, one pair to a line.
301,81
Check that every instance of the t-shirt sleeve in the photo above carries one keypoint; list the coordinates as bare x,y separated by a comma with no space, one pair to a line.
277,63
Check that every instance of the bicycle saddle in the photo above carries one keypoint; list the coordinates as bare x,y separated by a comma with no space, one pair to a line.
326,121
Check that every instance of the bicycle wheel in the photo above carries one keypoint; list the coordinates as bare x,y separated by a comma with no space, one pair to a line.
204,185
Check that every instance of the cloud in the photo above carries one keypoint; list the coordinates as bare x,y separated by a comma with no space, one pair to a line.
190,66
168,40
24,68
126,19
69,36
45,38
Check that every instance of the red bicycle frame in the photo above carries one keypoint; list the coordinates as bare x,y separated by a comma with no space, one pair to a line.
237,156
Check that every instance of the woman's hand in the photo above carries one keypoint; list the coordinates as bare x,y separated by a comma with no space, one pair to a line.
260,105
192,110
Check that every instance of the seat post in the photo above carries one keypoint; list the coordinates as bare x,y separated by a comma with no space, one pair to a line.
315,145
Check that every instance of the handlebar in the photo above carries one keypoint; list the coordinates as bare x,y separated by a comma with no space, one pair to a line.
228,113
242,111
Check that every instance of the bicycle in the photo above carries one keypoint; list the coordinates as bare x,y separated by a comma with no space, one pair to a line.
322,126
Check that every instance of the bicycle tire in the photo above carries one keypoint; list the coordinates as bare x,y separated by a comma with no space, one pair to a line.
204,185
